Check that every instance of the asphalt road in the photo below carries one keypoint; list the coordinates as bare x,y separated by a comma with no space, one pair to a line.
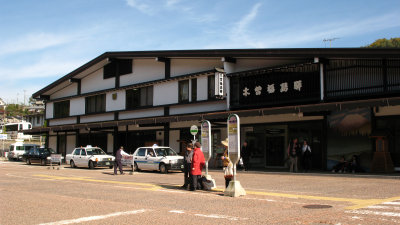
36,195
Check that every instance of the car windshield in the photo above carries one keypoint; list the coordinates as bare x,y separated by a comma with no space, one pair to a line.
165,152
95,151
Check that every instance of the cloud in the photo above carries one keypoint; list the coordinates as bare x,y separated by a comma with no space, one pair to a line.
141,6
46,67
33,42
242,35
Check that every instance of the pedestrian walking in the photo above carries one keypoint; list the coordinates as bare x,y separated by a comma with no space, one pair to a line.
245,156
198,163
117,163
227,164
307,156
293,152
187,160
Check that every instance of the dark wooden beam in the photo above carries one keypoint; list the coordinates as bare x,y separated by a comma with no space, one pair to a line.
228,59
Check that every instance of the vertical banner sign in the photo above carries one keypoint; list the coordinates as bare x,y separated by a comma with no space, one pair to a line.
206,141
234,138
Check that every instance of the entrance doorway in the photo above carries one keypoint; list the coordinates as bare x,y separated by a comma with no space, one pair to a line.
275,151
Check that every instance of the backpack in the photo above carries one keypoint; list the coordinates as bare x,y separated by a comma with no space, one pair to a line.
206,184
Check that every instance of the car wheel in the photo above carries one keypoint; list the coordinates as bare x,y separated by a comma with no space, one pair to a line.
72,164
43,162
163,168
136,168
111,167
28,161
91,165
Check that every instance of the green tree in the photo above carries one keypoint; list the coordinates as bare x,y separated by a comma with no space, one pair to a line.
385,43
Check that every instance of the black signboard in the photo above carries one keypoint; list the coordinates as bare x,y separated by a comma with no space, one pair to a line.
275,88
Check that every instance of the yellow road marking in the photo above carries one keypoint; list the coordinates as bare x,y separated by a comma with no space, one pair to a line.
357,203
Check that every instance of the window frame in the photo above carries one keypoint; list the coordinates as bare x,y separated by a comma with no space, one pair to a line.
194,89
135,99
183,86
61,109
99,104
211,87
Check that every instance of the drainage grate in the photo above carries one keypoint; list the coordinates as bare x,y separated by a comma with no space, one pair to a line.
317,206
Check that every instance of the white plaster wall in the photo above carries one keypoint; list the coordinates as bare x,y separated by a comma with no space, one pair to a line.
77,106
49,110
388,111
277,118
95,82
71,142
70,90
202,88
193,108
53,142
117,104
165,93
186,66
110,143
144,70
141,113
64,121
174,135
249,64
97,118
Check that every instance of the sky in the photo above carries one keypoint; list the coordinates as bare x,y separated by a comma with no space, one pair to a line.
43,40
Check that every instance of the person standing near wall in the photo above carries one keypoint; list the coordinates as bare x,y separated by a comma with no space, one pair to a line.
293,151
306,152
226,163
245,155
118,156
198,163
187,159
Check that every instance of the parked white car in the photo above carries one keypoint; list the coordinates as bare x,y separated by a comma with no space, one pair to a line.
157,158
89,157
18,149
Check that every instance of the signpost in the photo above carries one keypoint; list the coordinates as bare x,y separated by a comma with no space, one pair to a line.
55,158
3,137
234,189
194,130
206,146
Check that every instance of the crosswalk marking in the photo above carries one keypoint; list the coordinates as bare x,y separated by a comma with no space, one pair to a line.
390,209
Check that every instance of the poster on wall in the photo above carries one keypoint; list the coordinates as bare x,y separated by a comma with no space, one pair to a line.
348,137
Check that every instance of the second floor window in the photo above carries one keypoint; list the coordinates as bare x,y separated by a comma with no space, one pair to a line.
95,104
139,97
183,91
211,87
194,90
61,109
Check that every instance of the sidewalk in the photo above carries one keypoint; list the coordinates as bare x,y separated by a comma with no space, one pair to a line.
285,172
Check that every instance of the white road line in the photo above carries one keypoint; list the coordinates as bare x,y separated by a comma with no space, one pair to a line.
91,218
177,211
383,207
368,212
215,216
391,203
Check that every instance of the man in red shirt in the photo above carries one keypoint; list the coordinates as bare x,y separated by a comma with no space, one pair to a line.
198,163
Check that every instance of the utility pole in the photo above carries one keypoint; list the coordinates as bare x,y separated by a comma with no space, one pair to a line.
330,41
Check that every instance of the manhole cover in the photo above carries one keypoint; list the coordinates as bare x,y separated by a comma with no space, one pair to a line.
317,206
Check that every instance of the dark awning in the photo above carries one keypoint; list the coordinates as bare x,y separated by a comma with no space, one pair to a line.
310,109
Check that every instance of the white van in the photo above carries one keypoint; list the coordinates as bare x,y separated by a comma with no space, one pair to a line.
18,149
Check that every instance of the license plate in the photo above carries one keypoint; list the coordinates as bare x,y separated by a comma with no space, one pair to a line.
182,166
107,163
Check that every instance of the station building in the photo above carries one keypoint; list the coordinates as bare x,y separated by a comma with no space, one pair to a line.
344,102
